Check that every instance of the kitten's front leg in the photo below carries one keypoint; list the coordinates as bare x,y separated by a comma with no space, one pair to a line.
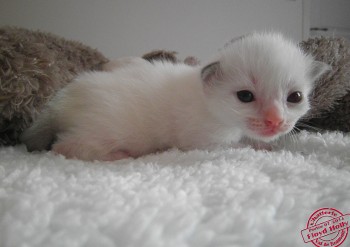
90,148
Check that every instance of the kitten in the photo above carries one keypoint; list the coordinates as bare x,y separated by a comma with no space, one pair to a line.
257,88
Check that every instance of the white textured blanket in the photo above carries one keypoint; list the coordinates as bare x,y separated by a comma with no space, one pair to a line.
226,197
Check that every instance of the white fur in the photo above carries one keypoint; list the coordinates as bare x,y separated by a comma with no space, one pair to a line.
279,67
139,108
140,111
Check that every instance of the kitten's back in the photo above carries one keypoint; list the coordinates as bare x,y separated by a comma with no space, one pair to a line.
99,101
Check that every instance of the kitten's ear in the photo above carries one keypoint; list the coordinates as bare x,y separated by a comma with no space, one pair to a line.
211,73
318,69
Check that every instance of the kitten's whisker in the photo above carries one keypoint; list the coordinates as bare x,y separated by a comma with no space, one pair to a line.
311,116
293,138
308,126
295,129
293,135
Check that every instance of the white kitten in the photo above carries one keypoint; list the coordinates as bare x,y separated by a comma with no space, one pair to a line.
257,88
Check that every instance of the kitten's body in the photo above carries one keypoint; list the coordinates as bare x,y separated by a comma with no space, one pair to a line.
141,108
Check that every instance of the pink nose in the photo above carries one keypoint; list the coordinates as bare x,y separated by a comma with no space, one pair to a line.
272,118
273,123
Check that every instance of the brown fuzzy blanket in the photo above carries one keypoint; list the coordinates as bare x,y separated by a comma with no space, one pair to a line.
330,99
34,65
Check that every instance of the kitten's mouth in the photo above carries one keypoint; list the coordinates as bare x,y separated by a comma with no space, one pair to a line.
270,132
266,132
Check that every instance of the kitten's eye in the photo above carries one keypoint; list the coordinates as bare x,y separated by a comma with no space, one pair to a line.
245,96
295,97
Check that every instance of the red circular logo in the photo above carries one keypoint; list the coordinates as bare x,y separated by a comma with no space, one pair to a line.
326,227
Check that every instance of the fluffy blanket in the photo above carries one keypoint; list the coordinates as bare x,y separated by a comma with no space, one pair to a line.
223,197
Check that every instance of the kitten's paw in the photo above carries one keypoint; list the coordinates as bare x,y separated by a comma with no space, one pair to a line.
67,149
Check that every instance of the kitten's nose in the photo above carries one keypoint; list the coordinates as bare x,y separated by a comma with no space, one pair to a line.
273,123
273,118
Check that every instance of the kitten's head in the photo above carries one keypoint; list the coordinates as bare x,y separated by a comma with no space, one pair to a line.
261,84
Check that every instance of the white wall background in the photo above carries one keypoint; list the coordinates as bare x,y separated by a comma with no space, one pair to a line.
330,15
133,27
334,13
